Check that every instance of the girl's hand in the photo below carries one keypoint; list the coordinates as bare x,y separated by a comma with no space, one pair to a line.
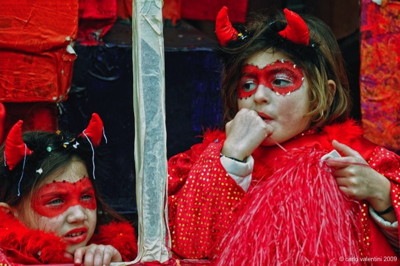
96,255
244,134
358,180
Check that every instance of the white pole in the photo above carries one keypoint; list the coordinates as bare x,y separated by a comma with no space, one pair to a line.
150,129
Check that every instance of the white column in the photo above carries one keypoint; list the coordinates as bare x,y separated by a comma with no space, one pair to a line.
150,129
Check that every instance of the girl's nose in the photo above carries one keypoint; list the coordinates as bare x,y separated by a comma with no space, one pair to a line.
76,214
262,94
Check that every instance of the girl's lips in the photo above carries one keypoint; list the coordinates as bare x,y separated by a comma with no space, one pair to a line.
264,116
75,236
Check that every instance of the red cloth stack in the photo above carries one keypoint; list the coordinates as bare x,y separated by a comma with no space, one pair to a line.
95,20
36,57
204,9
208,9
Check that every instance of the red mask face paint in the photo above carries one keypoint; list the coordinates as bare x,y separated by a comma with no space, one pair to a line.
282,77
55,198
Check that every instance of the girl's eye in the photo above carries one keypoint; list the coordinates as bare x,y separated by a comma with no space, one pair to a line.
248,85
281,82
55,202
87,197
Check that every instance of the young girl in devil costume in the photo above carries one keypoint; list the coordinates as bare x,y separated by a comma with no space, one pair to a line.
50,211
291,181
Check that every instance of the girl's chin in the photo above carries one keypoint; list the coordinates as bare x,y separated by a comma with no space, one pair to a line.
271,141
268,142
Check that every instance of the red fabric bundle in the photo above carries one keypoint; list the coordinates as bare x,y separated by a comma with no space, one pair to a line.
124,9
95,19
36,116
208,9
35,64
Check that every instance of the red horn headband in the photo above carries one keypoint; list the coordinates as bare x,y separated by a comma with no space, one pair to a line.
15,148
94,130
223,27
296,29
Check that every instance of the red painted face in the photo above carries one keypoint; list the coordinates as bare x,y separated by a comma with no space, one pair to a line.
282,77
55,198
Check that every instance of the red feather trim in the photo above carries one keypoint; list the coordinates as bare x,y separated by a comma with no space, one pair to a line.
23,245
120,235
297,216
345,132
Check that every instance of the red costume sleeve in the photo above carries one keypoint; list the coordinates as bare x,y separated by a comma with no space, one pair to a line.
388,164
201,199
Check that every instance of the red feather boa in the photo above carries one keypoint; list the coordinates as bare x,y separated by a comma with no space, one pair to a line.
27,246
120,235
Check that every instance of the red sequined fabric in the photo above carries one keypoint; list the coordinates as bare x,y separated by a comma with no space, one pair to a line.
202,209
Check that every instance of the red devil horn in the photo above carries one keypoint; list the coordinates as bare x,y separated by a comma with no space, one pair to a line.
15,148
223,27
94,130
296,29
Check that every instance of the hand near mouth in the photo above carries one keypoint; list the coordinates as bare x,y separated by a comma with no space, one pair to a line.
245,133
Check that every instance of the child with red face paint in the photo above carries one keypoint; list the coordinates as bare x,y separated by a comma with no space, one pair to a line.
50,211
291,180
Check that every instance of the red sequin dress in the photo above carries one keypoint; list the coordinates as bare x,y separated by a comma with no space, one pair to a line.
293,212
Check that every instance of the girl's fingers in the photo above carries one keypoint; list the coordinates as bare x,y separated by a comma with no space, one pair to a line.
339,163
342,181
345,150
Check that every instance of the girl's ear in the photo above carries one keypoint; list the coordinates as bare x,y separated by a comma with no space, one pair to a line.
4,207
331,90
332,86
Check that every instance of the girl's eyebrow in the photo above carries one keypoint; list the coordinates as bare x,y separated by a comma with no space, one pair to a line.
249,69
87,189
54,194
